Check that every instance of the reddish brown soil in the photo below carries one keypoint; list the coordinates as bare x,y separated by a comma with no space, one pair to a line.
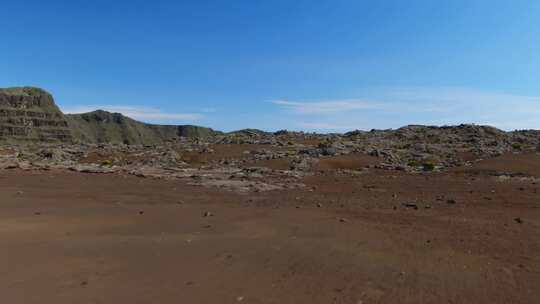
84,238
351,162
311,141
275,164
525,164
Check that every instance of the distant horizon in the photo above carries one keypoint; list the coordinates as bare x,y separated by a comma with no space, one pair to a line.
154,116
274,131
326,67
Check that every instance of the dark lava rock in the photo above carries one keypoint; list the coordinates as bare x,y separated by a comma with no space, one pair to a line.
410,205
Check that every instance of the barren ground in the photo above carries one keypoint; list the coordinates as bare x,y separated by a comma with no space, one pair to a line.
468,235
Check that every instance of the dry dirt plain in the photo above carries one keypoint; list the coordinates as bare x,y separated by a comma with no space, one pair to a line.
468,235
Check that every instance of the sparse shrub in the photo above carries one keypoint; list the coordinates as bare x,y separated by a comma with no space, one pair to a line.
107,163
413,163
516,146
429,165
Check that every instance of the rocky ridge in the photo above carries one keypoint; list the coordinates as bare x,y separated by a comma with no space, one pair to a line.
256,161
114,128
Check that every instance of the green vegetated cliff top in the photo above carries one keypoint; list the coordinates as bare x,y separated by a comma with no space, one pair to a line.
25,91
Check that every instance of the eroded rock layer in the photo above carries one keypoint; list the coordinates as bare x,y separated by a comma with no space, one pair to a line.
30,114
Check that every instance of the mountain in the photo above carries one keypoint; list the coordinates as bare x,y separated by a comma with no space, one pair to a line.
105,127
29,114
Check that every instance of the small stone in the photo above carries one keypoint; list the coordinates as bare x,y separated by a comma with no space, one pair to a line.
410,205
239,299
518,220
343,220
141,212
84,283
37,213
451,202
319,205
207,214
20,192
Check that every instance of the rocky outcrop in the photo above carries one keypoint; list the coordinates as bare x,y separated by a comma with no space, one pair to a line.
30,114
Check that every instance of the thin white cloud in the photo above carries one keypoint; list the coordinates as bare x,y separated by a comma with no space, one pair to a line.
448,99
330,106
393,107
139,113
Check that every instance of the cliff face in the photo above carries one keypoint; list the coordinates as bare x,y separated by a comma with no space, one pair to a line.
30,114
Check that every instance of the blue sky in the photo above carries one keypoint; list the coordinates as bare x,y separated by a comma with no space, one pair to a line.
310,65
